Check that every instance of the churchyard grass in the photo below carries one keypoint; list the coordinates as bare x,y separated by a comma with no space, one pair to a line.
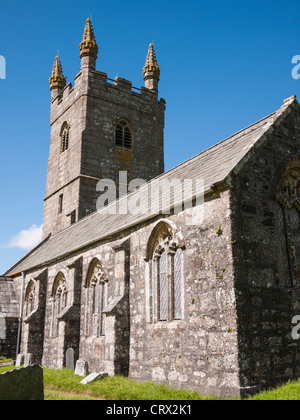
113,388
64,385
4,360
287,392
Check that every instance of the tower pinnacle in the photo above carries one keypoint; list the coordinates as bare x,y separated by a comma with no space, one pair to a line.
151,71
57,80
88,46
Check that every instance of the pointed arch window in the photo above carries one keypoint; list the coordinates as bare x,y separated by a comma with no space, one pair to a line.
96,291
30,298
123,135
64,135
59,301
165,293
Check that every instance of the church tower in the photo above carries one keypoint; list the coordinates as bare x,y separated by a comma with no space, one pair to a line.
99,127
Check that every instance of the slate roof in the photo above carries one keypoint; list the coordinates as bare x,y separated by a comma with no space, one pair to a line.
214,165
9,307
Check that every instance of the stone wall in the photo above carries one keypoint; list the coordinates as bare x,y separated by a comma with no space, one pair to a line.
8,337
64,168
34,317
9,314
265,306
198,352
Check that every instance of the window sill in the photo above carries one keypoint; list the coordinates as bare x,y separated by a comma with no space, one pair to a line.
166,324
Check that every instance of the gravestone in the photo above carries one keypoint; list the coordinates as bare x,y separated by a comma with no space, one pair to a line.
70,359
93,377
2,328
81,368
27,359
20,360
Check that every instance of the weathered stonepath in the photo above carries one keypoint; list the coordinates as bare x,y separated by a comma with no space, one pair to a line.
202,298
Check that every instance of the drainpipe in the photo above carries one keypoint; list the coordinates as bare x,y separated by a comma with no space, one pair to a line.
20,316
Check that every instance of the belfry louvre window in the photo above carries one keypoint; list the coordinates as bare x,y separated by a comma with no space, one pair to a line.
123,135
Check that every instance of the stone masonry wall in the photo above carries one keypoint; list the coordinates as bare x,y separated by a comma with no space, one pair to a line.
9,314
64,168
8,341
267,353
198,352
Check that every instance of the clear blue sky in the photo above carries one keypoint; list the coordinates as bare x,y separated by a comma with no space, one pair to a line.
224,65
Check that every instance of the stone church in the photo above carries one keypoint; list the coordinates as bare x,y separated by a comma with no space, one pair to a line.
201,298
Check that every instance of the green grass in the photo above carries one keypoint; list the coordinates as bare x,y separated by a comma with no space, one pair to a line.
6,368
4,360
64,385
114,388
287,392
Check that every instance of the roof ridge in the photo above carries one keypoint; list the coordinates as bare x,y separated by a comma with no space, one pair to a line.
213,146
285,105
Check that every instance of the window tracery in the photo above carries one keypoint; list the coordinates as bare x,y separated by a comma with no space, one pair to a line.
166,275
65,130
96,290
59,301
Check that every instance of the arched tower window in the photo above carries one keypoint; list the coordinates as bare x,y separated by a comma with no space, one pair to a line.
124,135
288,198
165,260
30,297
96,291
64,135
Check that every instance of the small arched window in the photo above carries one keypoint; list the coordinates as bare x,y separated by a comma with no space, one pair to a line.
64,135
123,135
30,298
59,300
